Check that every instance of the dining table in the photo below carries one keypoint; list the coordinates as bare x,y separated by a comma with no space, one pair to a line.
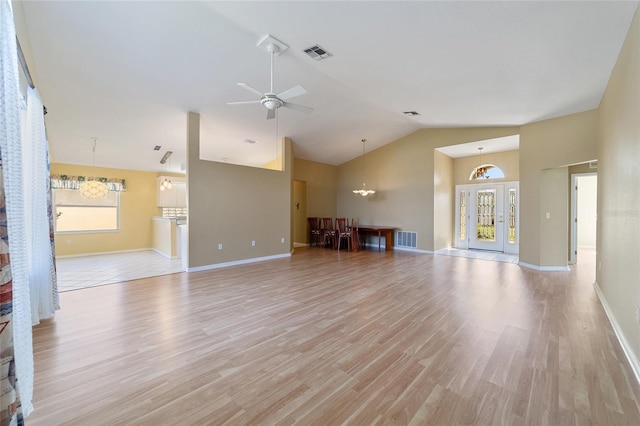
379,231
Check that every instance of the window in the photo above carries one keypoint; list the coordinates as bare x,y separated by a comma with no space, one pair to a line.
75,213
486,171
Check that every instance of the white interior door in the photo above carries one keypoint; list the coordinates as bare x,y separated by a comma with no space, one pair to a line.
486,208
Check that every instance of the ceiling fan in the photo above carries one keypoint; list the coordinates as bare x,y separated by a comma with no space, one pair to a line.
270,100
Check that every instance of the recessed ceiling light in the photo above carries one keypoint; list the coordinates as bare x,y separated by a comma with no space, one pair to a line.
247,140
410,113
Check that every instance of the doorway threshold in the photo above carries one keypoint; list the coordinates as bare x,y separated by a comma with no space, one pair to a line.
479,254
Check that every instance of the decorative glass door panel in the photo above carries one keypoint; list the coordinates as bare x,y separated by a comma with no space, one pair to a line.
462,216
486,203
486,215
513,205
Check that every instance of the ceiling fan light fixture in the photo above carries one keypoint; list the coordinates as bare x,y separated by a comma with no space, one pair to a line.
271,102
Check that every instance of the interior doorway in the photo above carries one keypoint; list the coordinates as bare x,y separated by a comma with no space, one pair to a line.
584,202
487,217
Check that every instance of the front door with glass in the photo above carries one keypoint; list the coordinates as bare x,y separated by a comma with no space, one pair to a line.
487,217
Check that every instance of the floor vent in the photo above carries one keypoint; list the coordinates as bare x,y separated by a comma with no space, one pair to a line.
406,239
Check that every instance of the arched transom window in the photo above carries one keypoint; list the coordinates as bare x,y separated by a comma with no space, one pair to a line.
486,171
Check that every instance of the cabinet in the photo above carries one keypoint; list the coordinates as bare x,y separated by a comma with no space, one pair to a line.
174,197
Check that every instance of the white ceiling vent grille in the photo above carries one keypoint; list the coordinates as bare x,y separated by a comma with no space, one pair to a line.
318,53
407,239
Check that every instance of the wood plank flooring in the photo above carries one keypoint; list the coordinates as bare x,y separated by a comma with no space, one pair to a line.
336,338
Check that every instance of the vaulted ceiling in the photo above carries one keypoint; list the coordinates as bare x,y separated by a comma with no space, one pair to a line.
127,72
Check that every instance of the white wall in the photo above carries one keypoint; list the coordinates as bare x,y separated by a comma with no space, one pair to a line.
587,204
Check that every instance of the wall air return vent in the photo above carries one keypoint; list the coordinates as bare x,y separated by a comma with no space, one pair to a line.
318,53
407,239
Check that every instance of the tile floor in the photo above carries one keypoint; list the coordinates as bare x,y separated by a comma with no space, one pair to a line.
90,271
479,254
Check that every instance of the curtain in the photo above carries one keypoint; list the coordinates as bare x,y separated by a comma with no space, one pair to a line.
38,214
74,182
16,346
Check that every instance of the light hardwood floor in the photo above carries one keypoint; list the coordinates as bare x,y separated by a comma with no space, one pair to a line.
331,338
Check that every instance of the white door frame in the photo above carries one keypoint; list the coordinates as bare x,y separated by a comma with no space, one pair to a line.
511,247
573,253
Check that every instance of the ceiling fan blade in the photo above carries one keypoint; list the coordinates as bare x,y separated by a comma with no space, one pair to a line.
243,102
292,93
271,114
297,107
249,88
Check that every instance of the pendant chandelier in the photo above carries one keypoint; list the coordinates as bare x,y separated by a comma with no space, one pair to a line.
481,171
363,192
93,189
165,185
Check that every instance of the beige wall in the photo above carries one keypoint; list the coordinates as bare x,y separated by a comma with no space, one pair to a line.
137,207
619,190
547,145
402,173
508,161
322,180
444,203
233,205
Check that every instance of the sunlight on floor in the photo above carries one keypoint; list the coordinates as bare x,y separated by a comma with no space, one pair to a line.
479,254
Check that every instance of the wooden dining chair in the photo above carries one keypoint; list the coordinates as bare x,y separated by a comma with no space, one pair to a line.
315,231
344,232
328,231
355,235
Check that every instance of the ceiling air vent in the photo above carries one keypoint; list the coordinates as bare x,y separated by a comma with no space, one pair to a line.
318,53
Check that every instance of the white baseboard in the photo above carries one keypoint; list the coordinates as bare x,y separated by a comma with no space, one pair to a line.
544,268
414,250
237,262
165,254
626,346
103,252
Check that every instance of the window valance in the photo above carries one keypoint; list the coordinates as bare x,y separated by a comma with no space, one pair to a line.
74,182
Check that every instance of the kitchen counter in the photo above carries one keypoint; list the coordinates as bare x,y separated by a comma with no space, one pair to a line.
166,235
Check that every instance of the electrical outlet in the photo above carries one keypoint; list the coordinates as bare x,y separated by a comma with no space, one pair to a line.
253,243
68,242
282,240
220,246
